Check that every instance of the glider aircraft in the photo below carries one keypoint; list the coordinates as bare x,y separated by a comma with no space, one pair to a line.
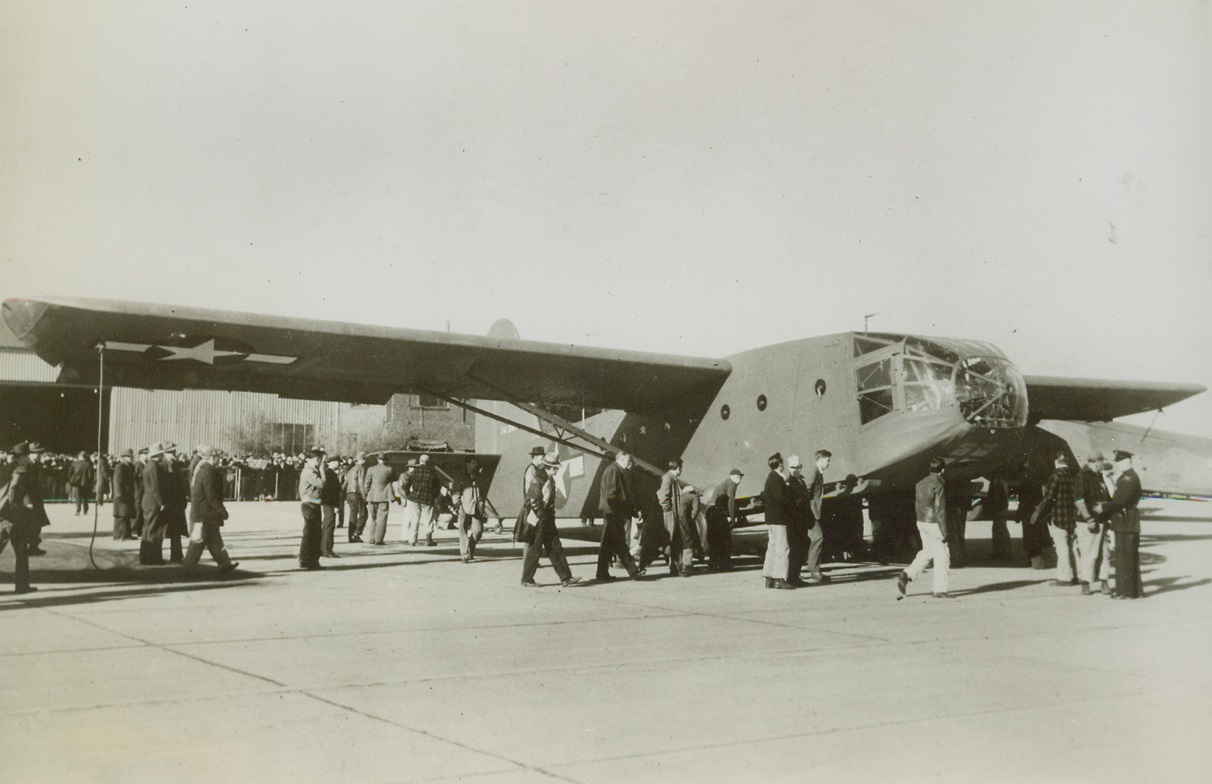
884,404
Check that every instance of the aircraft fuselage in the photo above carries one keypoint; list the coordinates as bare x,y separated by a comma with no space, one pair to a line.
883,405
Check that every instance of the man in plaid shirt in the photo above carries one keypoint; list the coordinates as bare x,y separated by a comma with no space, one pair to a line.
1059,509
421,488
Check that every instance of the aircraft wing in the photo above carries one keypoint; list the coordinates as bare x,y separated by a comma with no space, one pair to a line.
1099,400
166,347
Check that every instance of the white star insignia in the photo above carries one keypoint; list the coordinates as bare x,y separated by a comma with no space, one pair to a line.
203,352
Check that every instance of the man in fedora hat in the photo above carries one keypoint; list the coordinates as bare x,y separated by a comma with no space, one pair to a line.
540,502
157,491
207,512
123,491
21,514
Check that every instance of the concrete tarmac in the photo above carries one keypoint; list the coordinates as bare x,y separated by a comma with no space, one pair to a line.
398,664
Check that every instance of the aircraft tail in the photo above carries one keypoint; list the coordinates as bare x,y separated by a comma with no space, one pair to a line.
488,430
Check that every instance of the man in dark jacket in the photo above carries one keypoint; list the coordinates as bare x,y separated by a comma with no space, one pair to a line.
207,513
931,504
617,504
176,498
1088,492
1125,522
79,481
157,478
776,497
540,505
330,502
124,495
799,521
140,466
21,514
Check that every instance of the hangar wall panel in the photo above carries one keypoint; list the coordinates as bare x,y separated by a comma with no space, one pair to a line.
140,417
25,367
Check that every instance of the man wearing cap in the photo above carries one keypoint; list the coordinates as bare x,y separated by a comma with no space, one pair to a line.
683,538
540,502
311,495
421,488
376,488
1060,511
157,480
330,503
776,497
930,501
1091,531
355,498
721,518
124,495
616,501
207,512
1125,522
20,517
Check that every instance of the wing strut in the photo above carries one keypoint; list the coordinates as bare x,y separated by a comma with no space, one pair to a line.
562,424
563,428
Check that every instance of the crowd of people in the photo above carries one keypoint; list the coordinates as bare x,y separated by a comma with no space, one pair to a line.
1080,510
85,477
160,493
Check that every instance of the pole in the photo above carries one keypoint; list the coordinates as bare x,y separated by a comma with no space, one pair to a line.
100,457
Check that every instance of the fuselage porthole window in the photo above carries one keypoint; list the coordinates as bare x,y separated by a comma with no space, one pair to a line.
761,402
725,411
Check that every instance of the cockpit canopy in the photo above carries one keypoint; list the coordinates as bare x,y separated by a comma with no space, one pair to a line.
904,373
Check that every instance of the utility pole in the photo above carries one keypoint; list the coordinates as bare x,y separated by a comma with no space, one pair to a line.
867,317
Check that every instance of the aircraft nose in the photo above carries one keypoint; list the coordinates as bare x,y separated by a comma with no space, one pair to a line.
991,392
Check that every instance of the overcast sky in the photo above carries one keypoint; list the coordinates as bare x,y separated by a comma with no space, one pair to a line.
684,177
